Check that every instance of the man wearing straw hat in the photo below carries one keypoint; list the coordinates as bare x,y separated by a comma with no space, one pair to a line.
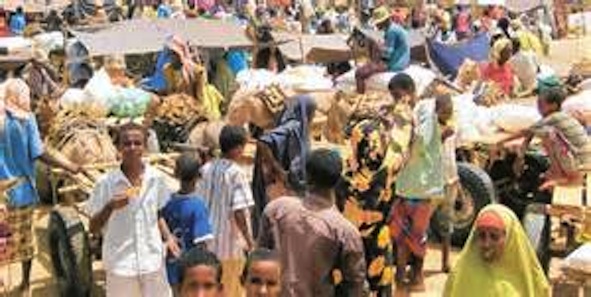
395,52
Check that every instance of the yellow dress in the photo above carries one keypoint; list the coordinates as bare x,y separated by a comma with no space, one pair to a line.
516,274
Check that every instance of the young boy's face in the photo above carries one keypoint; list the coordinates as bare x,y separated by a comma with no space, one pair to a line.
444,113
132,144
546,108
200,281
264,279
401,96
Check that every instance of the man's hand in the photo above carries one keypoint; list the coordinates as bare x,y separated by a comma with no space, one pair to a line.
172,245
447,132
119,202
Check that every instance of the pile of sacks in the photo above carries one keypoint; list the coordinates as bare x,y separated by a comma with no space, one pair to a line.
300,78
423,77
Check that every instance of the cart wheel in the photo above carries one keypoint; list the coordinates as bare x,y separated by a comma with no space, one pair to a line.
537,227
476,192
70,253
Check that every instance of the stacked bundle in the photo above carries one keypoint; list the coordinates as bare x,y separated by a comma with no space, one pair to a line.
80,134
174,119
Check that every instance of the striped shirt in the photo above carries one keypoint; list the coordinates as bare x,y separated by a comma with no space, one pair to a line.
225,189
571,129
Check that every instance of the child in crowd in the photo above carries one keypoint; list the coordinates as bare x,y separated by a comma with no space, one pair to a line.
261,276
419,183
163,11
18,22
186,215
444,109
200,274
564,139
226,190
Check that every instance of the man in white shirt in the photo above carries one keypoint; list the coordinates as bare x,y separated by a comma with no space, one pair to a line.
125,207
525,66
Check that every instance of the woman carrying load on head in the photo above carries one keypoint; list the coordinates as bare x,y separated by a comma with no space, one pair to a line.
280,155
497,260
183,75
365,197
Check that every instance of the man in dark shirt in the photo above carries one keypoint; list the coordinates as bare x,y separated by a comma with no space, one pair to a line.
321,251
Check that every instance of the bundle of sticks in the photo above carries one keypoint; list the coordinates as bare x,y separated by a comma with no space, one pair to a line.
85,182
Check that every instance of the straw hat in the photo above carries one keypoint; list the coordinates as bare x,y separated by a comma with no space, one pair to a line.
40,55
115,62
380,15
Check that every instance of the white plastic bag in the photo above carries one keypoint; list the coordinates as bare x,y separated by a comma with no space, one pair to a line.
100,88
579,260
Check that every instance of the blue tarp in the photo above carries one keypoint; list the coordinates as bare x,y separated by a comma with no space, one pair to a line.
448,58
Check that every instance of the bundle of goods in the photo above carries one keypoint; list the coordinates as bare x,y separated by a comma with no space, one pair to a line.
122,102
174,119
423,77
305,78
300,78
85,183
80,134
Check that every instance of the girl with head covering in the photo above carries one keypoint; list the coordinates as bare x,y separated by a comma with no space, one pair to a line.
365,196
497,260
498,70
280,155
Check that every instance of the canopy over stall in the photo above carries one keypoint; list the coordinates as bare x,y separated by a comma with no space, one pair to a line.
147,36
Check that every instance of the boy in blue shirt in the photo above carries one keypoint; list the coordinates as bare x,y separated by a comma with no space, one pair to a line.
164,11
18,22
186,215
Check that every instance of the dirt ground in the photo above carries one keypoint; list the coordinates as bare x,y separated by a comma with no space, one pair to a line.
563,53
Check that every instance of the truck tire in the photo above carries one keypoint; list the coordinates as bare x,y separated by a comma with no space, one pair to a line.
476,192
536,225
70,253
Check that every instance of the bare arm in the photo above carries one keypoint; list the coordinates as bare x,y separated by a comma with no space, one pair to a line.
53,158
240,218
170,240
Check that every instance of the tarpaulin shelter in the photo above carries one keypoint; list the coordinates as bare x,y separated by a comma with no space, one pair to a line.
148,36
449,57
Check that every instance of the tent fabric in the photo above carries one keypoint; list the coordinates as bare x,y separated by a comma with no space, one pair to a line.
145,36
449,58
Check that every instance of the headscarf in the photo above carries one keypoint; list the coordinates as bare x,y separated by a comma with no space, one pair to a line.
17,98
289,142
516,274
181,48
498,47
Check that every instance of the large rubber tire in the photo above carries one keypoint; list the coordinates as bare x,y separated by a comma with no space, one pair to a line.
70,253
476,192
537,227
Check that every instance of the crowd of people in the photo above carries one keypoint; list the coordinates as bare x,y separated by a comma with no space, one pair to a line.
311,222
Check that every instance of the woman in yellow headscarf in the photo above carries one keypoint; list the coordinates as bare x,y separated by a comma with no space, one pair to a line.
497,260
